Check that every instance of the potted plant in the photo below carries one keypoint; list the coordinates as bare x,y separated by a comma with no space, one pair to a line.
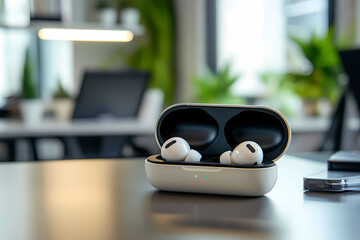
62,103
156,52
321,81
31,106
129,15
106,13
216,88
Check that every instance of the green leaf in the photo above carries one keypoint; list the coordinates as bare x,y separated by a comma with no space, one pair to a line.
322,81
215,88
28,82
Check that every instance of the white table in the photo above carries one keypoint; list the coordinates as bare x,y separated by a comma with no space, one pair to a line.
16,129
13,130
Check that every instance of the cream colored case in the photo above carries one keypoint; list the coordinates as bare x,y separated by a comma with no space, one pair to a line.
212,130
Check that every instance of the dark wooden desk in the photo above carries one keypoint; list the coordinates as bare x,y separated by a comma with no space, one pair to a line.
111,199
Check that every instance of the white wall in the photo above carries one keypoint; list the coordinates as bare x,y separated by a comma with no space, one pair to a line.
191,45
56,64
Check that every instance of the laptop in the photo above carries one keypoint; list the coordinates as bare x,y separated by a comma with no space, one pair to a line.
111,94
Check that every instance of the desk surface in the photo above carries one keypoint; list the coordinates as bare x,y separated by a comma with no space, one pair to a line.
111,199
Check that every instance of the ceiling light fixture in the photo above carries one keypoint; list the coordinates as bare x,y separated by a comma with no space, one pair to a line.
89,35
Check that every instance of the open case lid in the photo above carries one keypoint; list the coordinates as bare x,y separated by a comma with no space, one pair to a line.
213,129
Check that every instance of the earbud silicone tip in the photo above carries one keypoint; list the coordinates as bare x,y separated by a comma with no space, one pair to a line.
225,158
193,156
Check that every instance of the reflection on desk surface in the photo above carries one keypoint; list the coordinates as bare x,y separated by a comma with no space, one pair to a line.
182,212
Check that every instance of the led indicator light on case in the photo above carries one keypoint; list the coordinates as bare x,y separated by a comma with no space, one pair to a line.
195,176
206,176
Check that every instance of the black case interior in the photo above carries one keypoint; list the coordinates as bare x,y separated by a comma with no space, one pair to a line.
214,129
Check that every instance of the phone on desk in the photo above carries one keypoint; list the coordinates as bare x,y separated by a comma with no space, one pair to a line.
332,181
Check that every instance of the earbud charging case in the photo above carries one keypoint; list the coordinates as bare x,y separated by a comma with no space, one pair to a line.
212,130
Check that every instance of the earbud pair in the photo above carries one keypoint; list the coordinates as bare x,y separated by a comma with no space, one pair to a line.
248,152
177,149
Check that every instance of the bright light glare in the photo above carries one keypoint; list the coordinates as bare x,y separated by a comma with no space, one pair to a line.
85,35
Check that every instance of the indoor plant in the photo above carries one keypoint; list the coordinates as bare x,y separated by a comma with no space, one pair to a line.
216,88
31,106
156,51
320,81
106,13
62,103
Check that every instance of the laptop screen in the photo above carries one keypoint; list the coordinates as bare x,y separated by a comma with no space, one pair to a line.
111,94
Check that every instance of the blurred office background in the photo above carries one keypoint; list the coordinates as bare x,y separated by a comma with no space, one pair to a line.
281,53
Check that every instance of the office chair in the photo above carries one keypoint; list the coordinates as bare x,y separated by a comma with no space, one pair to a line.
106,95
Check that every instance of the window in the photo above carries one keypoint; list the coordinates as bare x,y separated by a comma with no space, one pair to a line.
253,36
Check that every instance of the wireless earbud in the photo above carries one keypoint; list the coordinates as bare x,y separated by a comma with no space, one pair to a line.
177,149
248,152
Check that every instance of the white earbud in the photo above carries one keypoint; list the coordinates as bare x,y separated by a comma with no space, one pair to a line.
177,149
248,152
225,158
